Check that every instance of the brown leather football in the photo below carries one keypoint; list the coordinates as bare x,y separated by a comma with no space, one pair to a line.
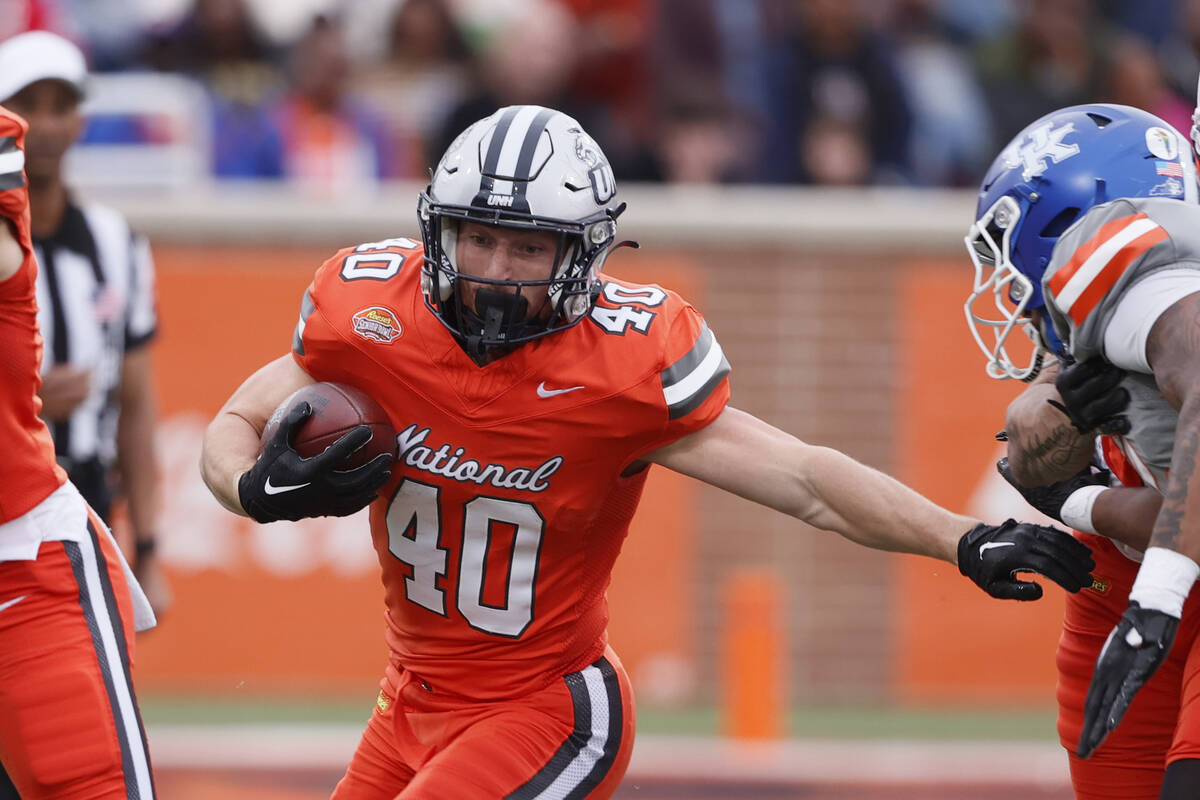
337,409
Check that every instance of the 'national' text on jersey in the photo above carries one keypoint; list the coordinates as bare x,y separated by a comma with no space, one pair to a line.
446,462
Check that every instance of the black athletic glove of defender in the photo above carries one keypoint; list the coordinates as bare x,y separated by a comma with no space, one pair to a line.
991,555
1049,499
1092,397
1134,651
282,485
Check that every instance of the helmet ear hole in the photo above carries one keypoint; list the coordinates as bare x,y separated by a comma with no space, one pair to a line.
1061,221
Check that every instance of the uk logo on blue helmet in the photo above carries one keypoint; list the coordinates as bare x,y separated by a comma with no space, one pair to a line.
1047,178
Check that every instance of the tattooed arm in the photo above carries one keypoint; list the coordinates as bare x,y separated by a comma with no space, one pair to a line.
1043,445
1173,350
1144,636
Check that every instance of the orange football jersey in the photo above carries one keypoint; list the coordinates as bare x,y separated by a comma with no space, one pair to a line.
507,508
28,470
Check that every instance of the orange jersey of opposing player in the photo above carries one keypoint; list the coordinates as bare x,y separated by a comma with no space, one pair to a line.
28,470
508,504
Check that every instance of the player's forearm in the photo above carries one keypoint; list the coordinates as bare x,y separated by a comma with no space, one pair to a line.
1043,446
231,442
1177,526
1127,515
230,447
876,510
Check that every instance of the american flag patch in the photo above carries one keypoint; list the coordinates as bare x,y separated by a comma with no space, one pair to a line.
1172,168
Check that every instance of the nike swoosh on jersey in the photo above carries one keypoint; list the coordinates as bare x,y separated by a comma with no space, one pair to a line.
11,603
988,545
543,392
269,489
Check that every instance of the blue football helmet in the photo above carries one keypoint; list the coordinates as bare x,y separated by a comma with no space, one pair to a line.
1048,177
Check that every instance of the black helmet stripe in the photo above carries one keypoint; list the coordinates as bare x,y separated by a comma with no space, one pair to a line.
506,167
488,168
525,160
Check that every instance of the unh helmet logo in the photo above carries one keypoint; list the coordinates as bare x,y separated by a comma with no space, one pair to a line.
1042,145
604,184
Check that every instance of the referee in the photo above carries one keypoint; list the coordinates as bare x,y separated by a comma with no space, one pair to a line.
95,292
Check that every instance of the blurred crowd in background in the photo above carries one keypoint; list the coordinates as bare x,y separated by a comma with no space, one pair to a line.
820,92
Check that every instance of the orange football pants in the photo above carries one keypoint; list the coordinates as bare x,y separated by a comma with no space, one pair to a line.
571,739
69,721
1163,722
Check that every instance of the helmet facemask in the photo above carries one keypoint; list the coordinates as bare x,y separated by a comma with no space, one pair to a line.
500,318
996,278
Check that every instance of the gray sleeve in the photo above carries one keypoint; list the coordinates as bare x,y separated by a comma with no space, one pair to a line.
1114,247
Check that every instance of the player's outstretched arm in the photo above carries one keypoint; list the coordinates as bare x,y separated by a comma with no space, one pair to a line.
232,438
829,490
1043,446
1141,641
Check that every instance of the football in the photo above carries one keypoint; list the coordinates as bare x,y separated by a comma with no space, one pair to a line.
337,409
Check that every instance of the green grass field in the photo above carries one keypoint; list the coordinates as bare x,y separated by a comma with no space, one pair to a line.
1032,724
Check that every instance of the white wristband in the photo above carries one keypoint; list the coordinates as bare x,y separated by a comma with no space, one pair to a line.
1164,581
1077,510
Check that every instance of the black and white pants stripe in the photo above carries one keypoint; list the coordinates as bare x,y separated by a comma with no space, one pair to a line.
99,605
587,755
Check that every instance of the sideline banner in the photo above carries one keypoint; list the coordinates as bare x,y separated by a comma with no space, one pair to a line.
954,643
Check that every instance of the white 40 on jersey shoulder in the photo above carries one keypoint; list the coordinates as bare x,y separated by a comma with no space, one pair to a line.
632,308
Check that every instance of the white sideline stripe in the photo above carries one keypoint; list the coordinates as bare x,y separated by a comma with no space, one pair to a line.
1098,260
877,761
838,761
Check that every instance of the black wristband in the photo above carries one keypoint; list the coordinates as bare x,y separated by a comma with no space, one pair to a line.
144,547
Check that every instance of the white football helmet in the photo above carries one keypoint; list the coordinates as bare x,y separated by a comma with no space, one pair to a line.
523,167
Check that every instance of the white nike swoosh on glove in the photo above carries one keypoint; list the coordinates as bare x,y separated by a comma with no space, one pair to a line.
269,489
984,547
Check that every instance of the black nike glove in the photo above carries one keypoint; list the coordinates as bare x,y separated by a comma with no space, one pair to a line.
1092,397
991,555
1049,499
283,485
1134,651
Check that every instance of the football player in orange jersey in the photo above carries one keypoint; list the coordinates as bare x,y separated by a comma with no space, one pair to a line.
531,393
1113,512
69,720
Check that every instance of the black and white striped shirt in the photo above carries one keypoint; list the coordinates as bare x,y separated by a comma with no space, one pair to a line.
95,291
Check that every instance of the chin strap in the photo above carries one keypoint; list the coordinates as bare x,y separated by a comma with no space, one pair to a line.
497,318
1036,369
501,313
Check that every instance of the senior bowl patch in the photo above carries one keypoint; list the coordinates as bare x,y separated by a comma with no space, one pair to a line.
376,324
